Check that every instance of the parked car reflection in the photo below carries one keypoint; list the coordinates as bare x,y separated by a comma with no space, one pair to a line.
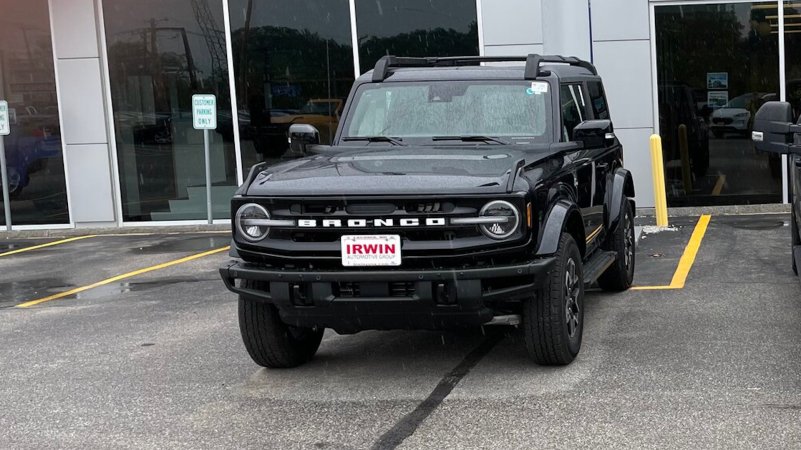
736,115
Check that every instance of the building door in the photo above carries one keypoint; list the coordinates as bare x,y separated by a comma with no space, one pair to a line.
716,65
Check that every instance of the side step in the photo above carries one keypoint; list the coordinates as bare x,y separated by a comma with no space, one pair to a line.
596,266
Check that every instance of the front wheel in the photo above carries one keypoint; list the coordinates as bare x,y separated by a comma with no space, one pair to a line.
269,341
553,321
619,276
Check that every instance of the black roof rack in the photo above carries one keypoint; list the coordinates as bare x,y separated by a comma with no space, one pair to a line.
533,62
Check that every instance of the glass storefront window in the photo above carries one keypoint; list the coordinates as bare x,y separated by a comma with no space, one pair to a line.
415,28
160,53
293,63
37,186
716,65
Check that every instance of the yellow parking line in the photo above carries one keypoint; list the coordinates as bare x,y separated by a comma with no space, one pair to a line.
121,277
687,259
49,244
719,185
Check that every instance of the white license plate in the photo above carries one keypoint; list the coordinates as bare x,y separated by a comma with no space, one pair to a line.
371,250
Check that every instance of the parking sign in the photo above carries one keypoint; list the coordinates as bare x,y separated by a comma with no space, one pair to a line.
204,112
5,121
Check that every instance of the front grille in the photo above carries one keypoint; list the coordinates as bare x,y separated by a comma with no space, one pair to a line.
412,235
318,244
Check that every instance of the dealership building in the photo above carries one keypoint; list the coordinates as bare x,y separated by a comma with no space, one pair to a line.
100,91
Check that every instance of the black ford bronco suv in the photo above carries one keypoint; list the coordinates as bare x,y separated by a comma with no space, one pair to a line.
454,194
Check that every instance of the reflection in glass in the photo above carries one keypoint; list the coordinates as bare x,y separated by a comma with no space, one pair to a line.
294,64
160,53
716,65
415,28
33,149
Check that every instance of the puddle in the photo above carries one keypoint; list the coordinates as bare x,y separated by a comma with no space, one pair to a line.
123,288
192,244
18,292
15,292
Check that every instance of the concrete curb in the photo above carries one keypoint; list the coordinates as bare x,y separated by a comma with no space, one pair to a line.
733,210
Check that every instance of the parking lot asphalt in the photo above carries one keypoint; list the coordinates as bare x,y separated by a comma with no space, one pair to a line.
155,359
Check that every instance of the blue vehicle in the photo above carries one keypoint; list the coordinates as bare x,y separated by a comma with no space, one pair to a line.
27,155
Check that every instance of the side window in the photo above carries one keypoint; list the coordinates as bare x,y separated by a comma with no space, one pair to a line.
598,100
573,108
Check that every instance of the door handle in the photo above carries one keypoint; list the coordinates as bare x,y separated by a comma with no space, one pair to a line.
606,165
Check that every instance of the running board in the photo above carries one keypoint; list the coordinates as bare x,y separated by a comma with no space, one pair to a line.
596,266
797,255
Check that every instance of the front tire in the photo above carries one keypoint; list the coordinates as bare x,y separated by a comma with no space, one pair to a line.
270,342
619,276
553,321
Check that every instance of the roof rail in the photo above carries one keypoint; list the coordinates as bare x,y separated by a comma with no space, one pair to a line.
533,62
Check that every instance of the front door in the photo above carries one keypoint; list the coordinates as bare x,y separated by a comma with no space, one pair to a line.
574,111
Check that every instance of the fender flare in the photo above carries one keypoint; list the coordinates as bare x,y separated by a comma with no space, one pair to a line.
556,223
622,186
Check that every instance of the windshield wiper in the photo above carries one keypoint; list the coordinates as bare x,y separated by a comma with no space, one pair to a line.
391,140
486,139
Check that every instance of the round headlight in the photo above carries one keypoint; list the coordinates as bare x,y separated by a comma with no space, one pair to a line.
507,223
247,222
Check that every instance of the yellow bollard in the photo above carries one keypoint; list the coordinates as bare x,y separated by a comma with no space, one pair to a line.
658,172
684,148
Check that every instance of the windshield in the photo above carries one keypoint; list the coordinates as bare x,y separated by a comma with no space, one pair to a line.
516,111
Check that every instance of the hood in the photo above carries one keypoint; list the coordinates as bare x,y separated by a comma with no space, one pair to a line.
490,169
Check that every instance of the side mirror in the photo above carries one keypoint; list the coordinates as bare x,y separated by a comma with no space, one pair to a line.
302,135
594,133
773,128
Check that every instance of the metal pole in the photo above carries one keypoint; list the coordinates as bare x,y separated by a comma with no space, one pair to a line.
206,138
4,170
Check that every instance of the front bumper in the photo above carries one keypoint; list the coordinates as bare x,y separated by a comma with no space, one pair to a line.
351,301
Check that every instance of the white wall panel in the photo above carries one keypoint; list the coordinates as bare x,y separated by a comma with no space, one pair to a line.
512,21
512,50
90,183
625,67
620,20
637,156
566,28
81,101
75,29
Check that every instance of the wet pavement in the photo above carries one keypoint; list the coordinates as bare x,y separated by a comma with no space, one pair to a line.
156,360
